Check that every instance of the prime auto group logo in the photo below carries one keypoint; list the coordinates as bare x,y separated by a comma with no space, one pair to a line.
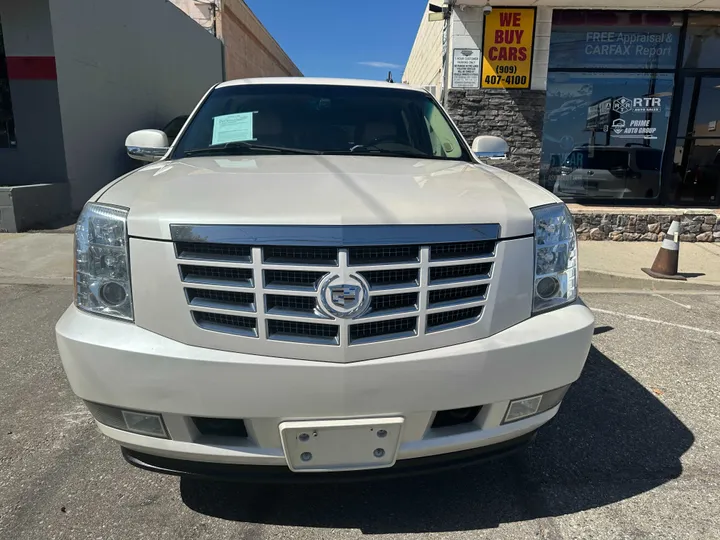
623,105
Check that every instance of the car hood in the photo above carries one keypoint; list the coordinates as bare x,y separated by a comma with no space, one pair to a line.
323,190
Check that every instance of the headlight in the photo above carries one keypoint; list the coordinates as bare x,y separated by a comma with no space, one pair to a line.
102,269
556,268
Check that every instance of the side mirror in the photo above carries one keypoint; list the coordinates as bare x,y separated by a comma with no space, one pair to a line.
147,144
488,146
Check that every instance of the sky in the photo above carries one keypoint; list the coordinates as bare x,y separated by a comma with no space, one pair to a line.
343,38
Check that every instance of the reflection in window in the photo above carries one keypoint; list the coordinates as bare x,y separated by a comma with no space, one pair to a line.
604,134
701,100
696,171
7,125
614,39
702,46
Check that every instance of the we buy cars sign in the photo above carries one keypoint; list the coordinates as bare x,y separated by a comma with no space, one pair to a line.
507,48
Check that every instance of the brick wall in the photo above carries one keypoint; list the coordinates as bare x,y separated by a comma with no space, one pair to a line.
250,51
515,115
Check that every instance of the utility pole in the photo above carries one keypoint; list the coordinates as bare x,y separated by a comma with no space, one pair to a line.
213,14
438,13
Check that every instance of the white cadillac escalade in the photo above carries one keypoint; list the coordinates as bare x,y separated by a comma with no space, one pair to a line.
321,276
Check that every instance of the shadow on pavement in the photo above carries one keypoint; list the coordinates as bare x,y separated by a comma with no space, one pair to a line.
611,440
602,329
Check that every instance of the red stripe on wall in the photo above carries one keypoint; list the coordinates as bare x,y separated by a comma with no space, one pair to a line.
35,68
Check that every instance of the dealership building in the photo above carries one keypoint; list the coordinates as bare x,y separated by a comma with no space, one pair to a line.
77,77
614,104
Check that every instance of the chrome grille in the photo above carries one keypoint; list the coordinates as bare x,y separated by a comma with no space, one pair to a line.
292,278
415,288
444,274
210,298
219,322
277,303
300,255
383,254
219,252
238,277
438,321
444,296
394,302
378,330
299,331
380,279
461,250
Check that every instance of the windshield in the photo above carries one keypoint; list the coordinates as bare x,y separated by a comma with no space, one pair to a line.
326,119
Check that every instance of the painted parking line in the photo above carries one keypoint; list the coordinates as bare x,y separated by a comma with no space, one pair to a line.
672,301
655,321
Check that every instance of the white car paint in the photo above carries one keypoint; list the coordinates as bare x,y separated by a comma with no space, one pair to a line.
286,190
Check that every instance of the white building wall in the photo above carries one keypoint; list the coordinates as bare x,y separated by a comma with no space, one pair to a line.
27,32
424,67
123,66
541,48
203,12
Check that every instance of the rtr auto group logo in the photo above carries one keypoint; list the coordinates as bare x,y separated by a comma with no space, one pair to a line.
622,105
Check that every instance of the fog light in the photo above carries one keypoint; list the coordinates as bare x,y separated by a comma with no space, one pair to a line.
144,423
522,408
529,406
139,422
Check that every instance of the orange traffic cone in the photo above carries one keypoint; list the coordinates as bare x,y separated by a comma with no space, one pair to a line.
666,261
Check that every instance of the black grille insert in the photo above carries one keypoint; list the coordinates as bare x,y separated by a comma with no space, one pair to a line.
383,254
209,298
390,278
219,252
443,296
391,302
462,271
304,304
242,277
310,331
221,322
464,250
436,320
383,329
221,427
292,278
300,255
455,417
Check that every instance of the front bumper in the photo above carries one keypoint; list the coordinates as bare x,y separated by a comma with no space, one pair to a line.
266,475
122,365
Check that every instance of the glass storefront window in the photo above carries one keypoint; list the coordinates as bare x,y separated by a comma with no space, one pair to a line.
614,39
700,107
696,171
702,46
605,133
7,125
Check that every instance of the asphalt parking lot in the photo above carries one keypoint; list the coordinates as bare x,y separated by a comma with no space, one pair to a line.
633,453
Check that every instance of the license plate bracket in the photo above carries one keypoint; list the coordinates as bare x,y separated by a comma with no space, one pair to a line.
341,445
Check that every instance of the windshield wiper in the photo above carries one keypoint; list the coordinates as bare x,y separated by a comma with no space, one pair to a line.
241,147
366,150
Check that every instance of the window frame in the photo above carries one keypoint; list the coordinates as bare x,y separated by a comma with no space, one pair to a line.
11,132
